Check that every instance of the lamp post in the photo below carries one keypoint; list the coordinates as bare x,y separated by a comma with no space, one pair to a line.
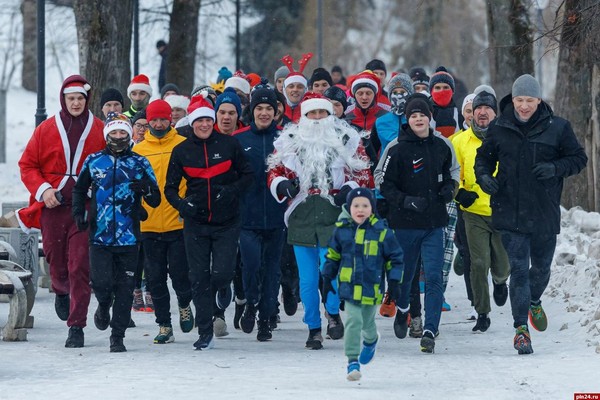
136,37
40,114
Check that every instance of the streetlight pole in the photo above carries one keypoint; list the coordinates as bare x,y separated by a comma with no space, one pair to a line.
136,37
319,33
237,35
40,114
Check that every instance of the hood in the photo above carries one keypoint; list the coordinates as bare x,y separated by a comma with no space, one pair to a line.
71,79
507,110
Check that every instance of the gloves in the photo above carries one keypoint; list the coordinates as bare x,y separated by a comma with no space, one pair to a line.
140,186
81,222
394,290
466,198
226,192
326,287
447,192
544,170
414,203
288,188
187,208
340,198
488,184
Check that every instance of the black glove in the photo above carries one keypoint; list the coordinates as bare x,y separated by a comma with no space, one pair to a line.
140,186
226,193
326,287
187,208
447,192
340,198
466,198
544,170
414,203
394,290
81,222
288,188
488,184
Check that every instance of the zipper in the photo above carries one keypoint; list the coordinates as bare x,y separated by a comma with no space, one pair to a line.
264,197
207,182
114,200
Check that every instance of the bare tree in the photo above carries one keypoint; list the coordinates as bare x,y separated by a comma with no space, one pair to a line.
104,36
183,38
29,66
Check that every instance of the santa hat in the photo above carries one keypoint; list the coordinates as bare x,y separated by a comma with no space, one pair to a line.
239,81
77,87
200,109
139,82
365,79
315,101
178,101
117,121
296,76
159,109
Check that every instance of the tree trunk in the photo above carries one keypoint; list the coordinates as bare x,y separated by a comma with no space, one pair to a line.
29,66
183,38
510,41
104,36
2,126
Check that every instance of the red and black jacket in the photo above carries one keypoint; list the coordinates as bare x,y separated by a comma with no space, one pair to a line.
216,173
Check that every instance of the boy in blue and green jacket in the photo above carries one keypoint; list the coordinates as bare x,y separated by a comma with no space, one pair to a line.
361,253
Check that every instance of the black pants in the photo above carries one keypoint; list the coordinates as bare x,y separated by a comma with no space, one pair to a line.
415,293
211,252
462,245
112,273
165,256
238,279
289,270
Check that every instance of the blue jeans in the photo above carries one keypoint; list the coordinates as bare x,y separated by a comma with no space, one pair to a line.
261,271
310,260
429,244
527,284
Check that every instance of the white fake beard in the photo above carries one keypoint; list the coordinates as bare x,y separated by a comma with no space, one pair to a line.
319,145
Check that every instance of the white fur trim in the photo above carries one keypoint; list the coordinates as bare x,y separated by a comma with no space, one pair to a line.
22,225
316,104
273,188
238,83
178,101
139,86
364,80
295,79
202,112
41,190
75,89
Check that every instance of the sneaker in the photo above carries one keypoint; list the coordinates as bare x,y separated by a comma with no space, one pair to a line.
248,318
472,316
116,344
75,338
353,371
335,326
239,310
149,303
224,297
264,331
290,302
401,324
273,321
102,317
522,340
483,323
138,301
62,304
186,319
446,306
500,294
428,342
537,317
165,335
368,351
220,326
315,340
388,307
204,342
415,329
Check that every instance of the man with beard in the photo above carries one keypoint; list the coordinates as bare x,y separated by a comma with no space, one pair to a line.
139,92
315,165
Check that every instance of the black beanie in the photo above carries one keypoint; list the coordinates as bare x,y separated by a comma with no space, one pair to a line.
111,94
320,74
262,93
139,115
417,102
361,192
167,87
376,64
419,76
485,99
337,94
281,99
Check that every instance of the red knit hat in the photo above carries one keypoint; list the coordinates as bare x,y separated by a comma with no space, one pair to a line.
200,109
254,79
139,82
158,109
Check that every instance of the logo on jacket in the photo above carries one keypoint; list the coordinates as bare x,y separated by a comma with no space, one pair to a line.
247,148
216,156
100,175
418,165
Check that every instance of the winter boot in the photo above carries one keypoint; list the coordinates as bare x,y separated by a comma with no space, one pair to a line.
220,326
62,304
75,338
335,326
204,342
186,319
315,340
138,300
522,340
388,307
165,335
483,323
102,317
116,344
248,318
264,331
428,342
401,324
537,317
290,302
224,297
415,329
500,294
149,303
353,371
273,321
368,351
240,305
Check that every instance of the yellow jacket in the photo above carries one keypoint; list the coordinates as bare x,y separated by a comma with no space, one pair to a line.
465,146
163,218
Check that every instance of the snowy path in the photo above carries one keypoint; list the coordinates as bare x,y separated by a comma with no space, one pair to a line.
465,365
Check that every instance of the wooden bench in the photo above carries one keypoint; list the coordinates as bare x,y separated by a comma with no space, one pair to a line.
17,284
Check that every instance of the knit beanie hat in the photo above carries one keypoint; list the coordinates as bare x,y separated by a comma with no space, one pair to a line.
468,99
239,81
224,74
231,97
400,81
139,115
336,93
320,74
419,76
376,64
200,108
484,98
441,76
263,94
139,82
281,99
417,102
169,87
158,109
336,68
111,94
361,192
526,85
484,88
117,121
254,79
315,101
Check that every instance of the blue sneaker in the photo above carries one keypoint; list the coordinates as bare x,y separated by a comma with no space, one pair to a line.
224,297
368,351
446,306
353,371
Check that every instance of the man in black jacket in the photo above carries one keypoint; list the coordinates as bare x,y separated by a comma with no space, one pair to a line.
533,151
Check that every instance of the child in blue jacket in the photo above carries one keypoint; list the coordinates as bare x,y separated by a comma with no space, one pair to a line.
361,253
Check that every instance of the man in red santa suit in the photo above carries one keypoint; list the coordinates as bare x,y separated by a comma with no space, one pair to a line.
49,167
